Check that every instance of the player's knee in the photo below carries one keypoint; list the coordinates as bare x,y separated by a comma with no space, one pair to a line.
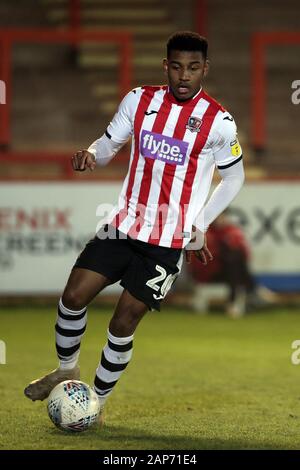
125,322
121,327
73,299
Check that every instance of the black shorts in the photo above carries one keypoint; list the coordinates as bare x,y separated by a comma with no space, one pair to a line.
147,271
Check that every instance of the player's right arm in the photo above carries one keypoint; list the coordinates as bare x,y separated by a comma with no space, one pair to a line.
99,152
102,150
82,160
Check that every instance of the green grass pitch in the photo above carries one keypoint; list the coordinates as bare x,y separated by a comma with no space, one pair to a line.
195,382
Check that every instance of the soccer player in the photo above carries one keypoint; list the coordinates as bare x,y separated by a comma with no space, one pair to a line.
179,135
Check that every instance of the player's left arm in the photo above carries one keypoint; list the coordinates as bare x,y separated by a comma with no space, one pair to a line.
232,179
228,158
198,246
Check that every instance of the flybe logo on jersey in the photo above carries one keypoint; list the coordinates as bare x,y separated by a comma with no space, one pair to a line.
164,148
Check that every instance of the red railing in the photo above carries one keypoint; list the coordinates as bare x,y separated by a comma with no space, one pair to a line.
58,166
259,43
74,37
201,17
74,14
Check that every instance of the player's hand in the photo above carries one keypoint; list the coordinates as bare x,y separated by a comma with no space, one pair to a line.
203,254
82,160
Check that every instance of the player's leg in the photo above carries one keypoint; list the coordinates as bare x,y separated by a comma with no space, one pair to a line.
147,280
101,263
127,315
118,350
82,286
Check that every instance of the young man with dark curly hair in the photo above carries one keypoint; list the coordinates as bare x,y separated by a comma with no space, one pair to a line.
179,135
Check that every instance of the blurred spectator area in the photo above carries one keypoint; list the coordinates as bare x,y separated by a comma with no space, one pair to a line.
63,98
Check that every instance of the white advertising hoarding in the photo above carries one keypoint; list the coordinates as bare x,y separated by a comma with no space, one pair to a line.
43,227
269,212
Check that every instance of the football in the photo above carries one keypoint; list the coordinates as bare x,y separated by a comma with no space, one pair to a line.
73,406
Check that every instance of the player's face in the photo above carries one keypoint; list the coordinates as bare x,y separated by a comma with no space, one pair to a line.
185,71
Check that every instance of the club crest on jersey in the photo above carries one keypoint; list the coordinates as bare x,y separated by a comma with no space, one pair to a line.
194,124
163,148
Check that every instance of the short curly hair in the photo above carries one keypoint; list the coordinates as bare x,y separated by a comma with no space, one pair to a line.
187,41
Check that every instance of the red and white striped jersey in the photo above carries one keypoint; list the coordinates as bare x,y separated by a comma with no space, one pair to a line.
175,148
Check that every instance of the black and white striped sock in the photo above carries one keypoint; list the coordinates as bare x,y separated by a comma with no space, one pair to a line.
69,328
114,360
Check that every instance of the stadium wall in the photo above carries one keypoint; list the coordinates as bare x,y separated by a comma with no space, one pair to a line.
43,227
